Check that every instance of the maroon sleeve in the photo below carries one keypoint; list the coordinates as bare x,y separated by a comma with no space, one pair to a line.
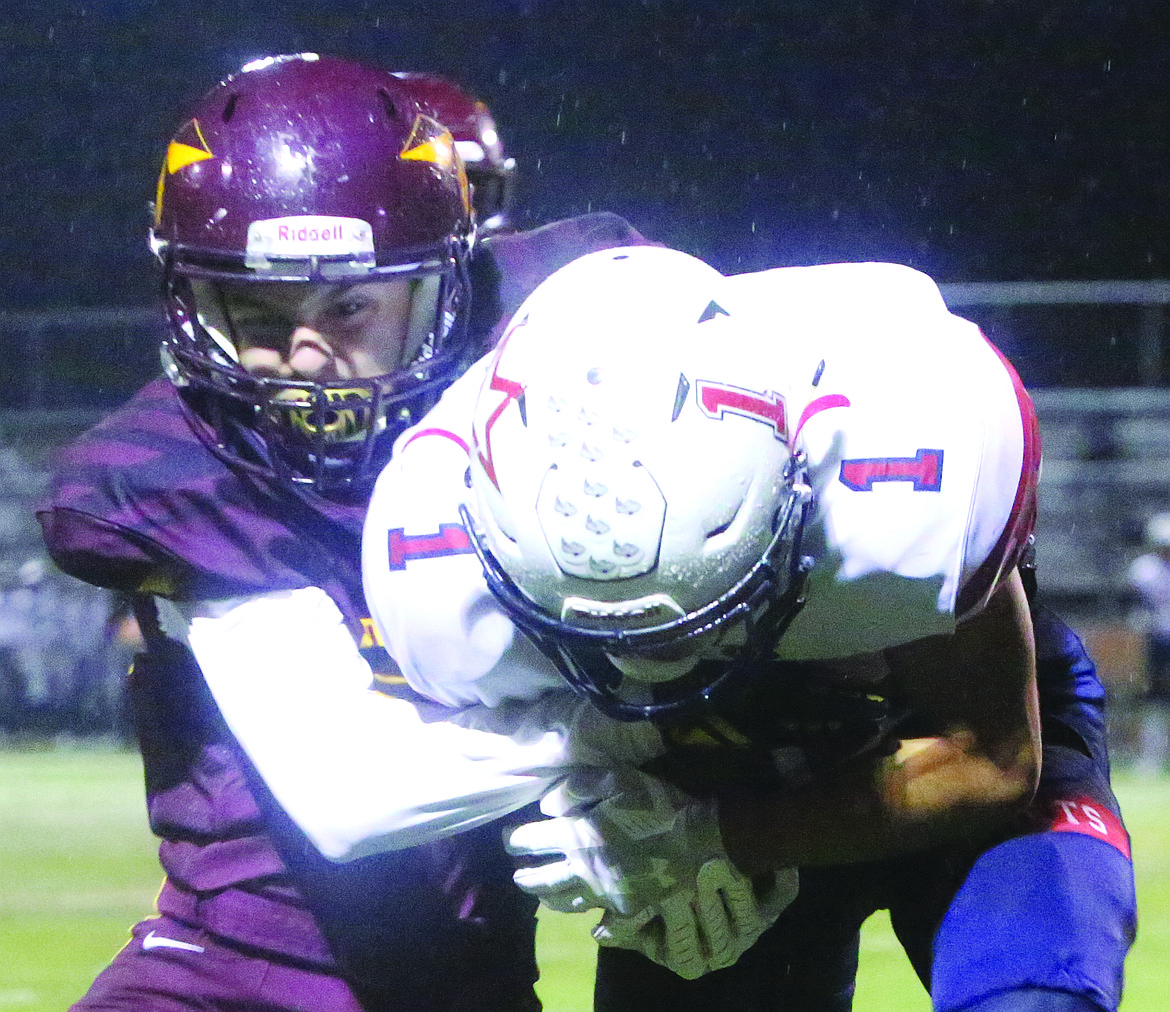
507,267
108,556
140,504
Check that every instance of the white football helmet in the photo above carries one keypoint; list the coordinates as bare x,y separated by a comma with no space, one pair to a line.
639,504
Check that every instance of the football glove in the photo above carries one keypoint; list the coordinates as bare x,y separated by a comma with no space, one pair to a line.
709,928
652,859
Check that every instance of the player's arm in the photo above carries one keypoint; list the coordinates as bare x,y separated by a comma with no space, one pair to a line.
979,686
357,770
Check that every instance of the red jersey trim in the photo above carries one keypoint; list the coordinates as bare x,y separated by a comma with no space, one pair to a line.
1022,519
1089,817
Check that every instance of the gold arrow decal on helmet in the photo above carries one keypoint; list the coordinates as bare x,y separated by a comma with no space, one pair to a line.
187,147
430,141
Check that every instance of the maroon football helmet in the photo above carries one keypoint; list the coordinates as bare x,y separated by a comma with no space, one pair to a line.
311,169
490,172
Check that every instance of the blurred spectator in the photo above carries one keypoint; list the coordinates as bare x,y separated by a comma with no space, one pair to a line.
64,652
65,647
1149,576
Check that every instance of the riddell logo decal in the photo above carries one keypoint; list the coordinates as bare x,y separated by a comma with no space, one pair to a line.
301,235
308,234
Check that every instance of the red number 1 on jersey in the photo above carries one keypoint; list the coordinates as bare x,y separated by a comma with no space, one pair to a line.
924,469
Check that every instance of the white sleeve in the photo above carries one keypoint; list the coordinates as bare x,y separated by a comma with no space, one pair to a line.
358,771
362,772
423,582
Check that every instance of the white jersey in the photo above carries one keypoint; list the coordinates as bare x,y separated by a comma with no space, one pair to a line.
923,456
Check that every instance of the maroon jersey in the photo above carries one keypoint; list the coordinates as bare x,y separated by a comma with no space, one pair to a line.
141,504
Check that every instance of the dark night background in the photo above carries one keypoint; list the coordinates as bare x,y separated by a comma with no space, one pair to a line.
976,140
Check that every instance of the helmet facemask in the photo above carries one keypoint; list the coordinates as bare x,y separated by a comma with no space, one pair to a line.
305,169
329,436
639,504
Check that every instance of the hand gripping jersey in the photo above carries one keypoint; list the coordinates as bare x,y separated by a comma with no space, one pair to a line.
141,504
923,455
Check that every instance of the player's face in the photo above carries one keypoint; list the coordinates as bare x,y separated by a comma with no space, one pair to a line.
317,331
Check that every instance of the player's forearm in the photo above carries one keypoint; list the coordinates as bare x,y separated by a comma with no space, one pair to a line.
358,771
932,790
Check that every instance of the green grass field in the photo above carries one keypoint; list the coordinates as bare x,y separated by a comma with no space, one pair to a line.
68,896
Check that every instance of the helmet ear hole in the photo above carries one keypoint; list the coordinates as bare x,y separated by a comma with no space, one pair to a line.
388,104
229,110
725,527
680,397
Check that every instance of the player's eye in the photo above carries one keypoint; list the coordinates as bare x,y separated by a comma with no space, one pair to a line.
350,307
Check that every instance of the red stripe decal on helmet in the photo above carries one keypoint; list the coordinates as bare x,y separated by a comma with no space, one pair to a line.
512,390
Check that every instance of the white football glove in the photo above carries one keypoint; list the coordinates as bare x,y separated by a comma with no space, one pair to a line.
693,932
652,858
